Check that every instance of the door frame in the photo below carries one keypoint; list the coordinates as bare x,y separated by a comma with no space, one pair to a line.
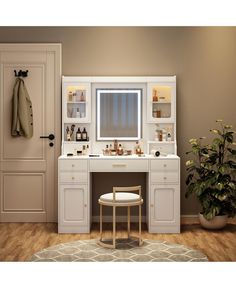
56,49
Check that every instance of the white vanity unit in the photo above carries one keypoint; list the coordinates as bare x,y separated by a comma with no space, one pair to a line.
153,99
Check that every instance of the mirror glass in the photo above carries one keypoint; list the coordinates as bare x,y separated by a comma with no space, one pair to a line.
118,114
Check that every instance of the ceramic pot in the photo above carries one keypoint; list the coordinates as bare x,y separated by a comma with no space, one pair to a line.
218,222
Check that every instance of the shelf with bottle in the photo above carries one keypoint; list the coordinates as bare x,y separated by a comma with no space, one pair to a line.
160,105
76,101
75,133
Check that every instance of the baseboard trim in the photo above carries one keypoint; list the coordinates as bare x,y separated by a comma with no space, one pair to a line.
193,219
184,219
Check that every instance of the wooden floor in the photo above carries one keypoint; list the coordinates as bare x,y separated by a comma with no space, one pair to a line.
19,241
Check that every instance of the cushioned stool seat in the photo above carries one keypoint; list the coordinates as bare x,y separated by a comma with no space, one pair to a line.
121,197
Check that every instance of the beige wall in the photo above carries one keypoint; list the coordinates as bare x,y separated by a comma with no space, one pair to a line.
202,58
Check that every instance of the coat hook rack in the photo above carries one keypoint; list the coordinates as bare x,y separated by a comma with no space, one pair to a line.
21,73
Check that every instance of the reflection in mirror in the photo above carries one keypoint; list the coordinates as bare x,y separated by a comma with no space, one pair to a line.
118,114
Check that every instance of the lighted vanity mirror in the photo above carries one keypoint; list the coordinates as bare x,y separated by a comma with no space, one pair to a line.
118,114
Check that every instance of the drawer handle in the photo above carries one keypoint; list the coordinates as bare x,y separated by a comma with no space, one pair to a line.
73,178
164,178
165,165
152,205
85,205
119,165
73,165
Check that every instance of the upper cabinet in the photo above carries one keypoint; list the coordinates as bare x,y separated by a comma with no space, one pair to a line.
161,102
76,101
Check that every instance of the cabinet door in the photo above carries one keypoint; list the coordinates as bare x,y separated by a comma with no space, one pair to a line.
160,102
164,207
76,100
73,205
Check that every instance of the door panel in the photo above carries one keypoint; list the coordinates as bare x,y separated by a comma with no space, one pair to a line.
28,167
22,192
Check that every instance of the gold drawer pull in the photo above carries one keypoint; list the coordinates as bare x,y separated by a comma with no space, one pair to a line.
119,165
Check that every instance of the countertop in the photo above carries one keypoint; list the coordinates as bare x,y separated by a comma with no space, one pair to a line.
133,157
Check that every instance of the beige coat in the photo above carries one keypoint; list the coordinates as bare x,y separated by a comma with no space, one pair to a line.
22,112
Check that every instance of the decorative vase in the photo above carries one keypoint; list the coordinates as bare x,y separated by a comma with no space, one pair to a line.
218,222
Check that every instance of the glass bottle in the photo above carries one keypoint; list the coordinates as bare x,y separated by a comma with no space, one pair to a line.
120,150
78,135
84,134
154,96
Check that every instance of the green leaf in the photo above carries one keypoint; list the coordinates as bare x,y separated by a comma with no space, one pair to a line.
189,179
232,151
229,137
215,131
217,141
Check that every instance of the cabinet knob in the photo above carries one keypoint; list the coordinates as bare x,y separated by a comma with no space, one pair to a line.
73,178
85,205
73,165
151,205
164,178
164,165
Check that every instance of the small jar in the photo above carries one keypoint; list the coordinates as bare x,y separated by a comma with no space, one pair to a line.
154,113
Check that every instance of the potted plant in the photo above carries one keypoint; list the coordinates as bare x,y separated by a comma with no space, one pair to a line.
211,176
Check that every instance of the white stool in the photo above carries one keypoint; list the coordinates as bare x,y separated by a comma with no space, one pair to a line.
121,197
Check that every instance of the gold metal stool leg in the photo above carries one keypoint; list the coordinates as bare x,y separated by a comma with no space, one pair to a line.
114,227
128,221
140,226
101,222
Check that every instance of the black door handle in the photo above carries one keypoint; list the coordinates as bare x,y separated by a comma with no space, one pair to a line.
50,136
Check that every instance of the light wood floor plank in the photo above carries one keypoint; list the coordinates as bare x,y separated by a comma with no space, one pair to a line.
19,241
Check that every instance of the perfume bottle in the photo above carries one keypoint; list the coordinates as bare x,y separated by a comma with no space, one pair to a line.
77,113
154,96
168,137
78,135
106,151
120,150
84,135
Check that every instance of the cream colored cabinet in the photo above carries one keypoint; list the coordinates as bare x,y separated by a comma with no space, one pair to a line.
164,197
73,202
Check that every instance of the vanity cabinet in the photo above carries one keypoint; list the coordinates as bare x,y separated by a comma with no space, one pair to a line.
164,196
73,202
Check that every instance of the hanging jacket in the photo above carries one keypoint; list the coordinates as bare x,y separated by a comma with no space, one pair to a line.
22,112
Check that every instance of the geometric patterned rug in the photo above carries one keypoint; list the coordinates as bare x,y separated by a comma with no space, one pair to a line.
126,251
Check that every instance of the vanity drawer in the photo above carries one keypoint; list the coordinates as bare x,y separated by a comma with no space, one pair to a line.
164,165
164,177
73,165
73,177
119,165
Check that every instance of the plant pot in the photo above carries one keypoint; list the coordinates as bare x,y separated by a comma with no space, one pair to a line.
218,222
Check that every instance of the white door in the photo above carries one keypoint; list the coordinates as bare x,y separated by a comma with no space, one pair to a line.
28,167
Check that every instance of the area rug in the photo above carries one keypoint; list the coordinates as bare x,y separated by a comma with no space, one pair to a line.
91,251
